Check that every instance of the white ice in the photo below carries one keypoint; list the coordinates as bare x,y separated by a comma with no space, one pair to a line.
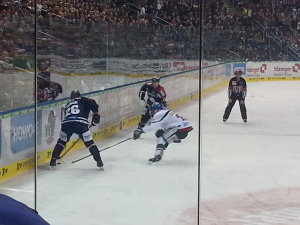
128,192
236,158
259,155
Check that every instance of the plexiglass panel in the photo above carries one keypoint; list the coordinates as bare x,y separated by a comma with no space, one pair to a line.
19,120
249,160
46,54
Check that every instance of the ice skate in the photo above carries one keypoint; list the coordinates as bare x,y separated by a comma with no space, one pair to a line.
224,120
52,163
177,140
245,120
154,159
100,164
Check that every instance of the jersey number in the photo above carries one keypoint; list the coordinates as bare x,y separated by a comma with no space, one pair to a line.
237,89
178,116
73,110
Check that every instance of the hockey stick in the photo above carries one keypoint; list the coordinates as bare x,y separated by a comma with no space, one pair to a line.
146,104
74,143
102,150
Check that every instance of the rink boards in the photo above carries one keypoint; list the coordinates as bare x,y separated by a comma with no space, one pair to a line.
119,108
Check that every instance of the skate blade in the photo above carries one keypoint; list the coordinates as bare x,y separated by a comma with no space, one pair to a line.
151,163
101,168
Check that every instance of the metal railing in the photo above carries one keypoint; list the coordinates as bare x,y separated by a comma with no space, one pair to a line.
282,44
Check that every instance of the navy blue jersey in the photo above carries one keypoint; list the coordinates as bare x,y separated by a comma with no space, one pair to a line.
78,109
13,212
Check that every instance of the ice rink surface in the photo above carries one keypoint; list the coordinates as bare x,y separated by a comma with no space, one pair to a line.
249,172
128,192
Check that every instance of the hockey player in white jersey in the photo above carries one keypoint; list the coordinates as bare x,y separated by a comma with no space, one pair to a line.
168,125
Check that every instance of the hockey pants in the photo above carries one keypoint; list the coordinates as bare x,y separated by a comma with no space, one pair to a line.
231,104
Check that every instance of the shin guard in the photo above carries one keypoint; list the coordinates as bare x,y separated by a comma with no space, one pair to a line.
95,152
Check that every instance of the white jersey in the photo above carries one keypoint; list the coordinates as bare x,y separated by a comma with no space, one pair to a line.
166,119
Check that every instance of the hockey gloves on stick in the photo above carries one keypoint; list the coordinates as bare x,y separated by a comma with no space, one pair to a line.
95,119
137,133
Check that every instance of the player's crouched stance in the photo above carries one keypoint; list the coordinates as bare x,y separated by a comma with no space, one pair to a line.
76,121
173,127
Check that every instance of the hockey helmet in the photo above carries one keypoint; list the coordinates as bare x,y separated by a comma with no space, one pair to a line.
156,106
75,94
238,72
155,79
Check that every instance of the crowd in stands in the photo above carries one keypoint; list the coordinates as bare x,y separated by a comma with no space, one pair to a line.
139,29
101,28
253,29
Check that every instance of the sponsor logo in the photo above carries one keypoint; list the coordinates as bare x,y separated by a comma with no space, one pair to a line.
255,70
22,135
276,78
282,69
286,71
26,164
296,68
99,65
50,126
256,78
179,66
3,171
68,66
240,66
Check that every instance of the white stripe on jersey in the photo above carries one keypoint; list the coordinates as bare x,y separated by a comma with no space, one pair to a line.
166,119
80,121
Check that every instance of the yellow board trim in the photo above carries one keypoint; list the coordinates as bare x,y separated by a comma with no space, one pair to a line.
23,165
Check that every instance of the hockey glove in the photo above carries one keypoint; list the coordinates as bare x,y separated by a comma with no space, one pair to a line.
244,94
137,133
229,93
142,95
95,119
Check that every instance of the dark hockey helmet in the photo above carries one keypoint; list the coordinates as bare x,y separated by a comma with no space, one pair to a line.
75,94
155,79
238,72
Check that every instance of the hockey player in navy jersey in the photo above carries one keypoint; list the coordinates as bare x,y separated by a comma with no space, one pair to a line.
237,90
156,93
13,212
76,121
168,126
